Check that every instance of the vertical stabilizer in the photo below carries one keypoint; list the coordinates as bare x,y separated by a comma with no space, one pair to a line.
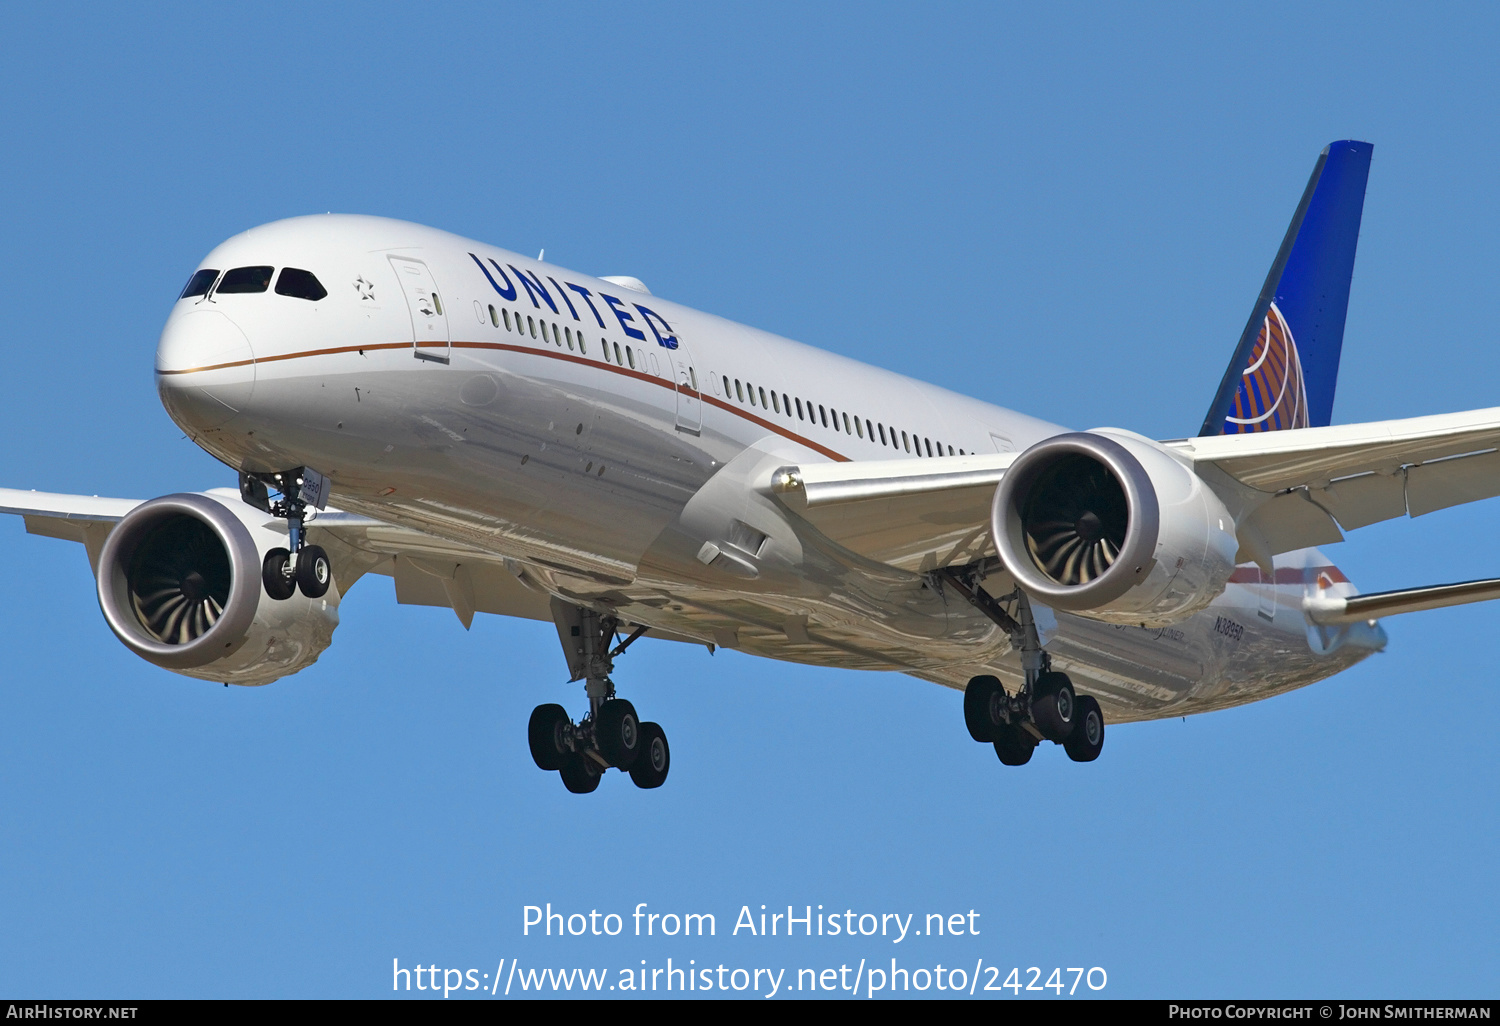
1286,365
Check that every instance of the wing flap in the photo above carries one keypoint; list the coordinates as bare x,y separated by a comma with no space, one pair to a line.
1451,482
1358,501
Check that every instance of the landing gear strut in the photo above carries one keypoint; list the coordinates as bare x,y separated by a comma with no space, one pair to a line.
610,733
1045,709
301,566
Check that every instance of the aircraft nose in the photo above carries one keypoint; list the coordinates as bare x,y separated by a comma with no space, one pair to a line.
205,369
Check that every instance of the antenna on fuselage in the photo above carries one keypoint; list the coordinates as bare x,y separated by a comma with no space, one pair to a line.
540,255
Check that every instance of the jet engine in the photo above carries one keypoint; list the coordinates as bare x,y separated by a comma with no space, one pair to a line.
180,585
1112,526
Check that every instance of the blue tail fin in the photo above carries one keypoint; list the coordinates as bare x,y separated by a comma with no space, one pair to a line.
1287,362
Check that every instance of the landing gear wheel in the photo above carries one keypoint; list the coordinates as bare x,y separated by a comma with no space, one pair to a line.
279,584
314,571
983,699
1087,739
547,736
617,730
650,770
1054,706
1013,745
580,774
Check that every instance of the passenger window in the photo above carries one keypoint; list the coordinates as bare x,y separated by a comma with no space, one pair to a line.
630,355
750,391
494,317
199,283
245,279
505,315
824,415
762,398
929,445
881,429
859,429
617,353
799,410
568,334
299,284
532,325
786,404
775,402
583,347
693,374
846,425
906,441
738,391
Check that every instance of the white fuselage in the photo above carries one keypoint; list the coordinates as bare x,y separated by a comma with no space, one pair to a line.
567,424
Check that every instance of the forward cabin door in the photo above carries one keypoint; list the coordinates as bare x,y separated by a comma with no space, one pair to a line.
689,405
429,317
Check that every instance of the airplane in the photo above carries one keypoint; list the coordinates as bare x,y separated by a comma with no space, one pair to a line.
503,435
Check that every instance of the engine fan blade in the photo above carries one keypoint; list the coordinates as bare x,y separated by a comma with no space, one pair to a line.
1075,521
179,580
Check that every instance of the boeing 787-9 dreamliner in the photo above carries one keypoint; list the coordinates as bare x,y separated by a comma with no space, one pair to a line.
502,435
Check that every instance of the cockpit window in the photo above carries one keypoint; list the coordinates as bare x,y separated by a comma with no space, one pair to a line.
245,279
299,284
199,283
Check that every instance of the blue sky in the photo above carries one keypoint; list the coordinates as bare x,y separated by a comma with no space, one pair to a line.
1067,210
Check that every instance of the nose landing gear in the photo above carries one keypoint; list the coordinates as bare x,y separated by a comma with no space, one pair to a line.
1045,709
610,735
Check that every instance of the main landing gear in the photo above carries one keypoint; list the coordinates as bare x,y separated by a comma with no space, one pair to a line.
610,733
1045,709
300,567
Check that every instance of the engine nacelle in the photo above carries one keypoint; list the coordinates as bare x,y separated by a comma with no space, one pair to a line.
180,585
1110,525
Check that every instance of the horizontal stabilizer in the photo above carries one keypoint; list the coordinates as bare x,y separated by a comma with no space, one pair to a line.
1328,611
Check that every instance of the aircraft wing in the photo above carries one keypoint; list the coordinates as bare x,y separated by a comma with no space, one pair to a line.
1356,474
920,514
428,571
916,514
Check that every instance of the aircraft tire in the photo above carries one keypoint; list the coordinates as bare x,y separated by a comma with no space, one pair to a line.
1013,746
650,770
1087,739
580,774
980,707
278,584
617,730
314,571
1054,706
544,735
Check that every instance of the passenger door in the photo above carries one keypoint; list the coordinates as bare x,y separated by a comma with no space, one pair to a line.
689,405
429,319
1266,594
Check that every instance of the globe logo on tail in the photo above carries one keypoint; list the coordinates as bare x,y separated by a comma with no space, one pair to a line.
1272,395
